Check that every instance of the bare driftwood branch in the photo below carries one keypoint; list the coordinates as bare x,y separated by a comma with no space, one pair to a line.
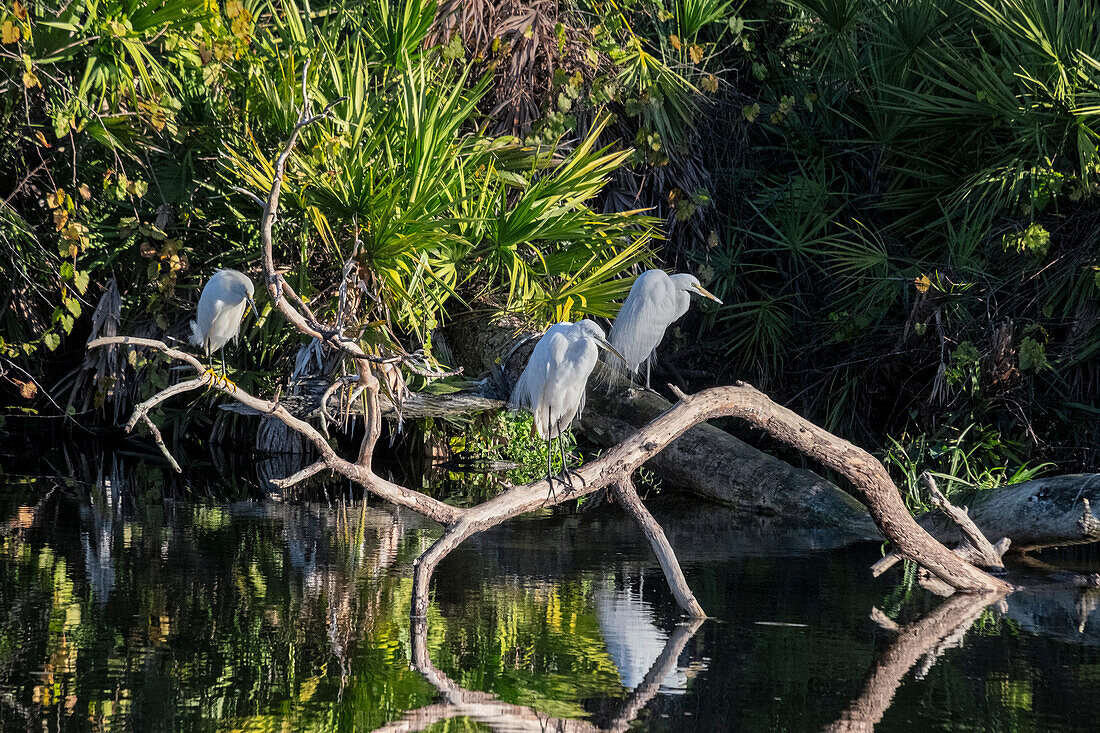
966,552
418,502
160,442
887,561
310,470
977,550
143,409
985,555
628,497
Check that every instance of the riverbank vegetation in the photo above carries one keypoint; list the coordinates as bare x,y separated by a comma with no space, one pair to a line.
897,202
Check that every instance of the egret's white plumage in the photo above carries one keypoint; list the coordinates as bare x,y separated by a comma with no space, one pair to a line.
552,384
655,302
222,305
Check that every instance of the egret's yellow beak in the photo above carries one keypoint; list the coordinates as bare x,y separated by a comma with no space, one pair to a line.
252,303
707,294
603,344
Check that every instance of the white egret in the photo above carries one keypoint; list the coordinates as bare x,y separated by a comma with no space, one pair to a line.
655,302
222,306
552,384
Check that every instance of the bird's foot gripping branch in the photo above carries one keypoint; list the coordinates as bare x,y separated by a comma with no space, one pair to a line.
613,469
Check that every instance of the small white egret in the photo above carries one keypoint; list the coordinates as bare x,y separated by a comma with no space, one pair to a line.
222,306
552,384
655,302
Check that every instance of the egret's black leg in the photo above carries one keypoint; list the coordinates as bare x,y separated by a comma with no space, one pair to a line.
549,455
567,477
551,495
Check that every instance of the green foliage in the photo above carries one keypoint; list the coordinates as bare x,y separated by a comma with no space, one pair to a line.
169,105
906,177
974,458
501,437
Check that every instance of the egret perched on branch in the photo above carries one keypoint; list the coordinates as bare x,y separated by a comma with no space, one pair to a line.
655,302
222,306
552,384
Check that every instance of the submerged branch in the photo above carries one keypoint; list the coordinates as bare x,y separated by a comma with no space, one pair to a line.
310,470
628,498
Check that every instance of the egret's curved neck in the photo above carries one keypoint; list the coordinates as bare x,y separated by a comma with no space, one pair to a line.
681,284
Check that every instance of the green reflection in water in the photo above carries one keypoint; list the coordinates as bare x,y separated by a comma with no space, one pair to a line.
264,617
123,610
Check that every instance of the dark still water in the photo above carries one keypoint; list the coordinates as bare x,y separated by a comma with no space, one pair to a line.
129,600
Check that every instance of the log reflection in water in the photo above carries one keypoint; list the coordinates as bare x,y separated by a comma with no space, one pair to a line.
501,716
939,630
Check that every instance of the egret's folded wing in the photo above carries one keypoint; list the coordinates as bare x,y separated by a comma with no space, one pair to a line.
641,322
530,383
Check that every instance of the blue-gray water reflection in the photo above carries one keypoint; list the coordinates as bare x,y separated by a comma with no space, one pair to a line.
128,604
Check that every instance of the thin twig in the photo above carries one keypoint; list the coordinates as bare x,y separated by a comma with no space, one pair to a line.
310,470
160,442
179,388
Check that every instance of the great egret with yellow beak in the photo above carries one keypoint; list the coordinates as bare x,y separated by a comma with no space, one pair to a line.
656,301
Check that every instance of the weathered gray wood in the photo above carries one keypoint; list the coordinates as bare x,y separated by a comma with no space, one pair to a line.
1043,512
627,496
980,546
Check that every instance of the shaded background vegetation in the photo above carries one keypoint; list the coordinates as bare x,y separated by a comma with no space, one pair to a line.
897,201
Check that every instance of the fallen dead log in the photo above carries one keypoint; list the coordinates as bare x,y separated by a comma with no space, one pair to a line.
1043,512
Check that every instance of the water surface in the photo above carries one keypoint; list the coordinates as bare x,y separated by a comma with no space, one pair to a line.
130,600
